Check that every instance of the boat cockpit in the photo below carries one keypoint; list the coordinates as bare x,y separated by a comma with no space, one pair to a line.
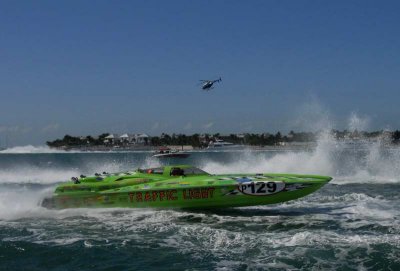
174,171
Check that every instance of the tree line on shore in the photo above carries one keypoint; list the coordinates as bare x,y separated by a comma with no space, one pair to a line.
202,140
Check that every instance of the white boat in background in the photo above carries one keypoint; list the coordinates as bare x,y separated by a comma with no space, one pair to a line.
168,153
219,143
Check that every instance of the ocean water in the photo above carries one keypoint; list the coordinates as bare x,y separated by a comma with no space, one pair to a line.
353,223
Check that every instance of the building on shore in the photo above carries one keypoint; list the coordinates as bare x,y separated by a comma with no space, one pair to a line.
127,139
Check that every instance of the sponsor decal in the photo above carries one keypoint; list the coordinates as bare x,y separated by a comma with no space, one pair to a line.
162,195
198,193
171,195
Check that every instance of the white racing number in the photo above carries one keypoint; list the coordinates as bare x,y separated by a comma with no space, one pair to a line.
261,188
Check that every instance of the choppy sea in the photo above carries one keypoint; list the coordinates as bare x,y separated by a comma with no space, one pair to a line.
353,223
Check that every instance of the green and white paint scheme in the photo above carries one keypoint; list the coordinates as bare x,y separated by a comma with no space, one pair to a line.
182,186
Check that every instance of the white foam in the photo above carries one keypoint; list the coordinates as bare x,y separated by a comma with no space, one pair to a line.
224,237
32,149
21,201
27,174
369,163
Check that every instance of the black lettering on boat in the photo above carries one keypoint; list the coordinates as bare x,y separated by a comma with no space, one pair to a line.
271,187
261,188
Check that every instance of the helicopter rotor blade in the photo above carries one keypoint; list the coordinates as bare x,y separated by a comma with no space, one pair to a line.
217,80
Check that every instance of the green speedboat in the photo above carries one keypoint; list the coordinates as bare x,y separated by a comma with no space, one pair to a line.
181,186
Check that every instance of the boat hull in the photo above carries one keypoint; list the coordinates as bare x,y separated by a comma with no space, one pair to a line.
216,192
172,155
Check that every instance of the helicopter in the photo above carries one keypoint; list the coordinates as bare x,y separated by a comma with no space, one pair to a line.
207,84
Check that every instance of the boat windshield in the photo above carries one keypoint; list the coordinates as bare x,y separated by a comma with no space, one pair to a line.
194,171
157,170
175,171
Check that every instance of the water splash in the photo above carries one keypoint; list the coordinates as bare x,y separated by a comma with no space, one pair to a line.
358,123
32,149
372,162
35,175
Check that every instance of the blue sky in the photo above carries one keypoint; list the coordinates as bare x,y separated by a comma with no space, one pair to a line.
87,67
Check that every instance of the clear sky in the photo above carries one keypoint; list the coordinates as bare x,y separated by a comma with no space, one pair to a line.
87,67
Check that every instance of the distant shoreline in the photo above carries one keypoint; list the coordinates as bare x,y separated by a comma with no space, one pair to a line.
265,141
306,146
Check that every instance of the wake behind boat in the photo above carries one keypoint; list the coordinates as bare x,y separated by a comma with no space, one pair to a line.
182,186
